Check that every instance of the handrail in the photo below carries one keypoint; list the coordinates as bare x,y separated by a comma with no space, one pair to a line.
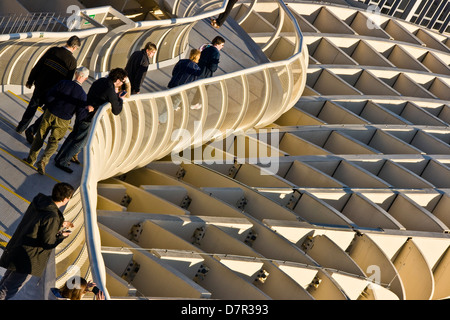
124,156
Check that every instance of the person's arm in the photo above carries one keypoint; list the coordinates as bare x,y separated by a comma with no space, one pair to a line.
49,232
115,100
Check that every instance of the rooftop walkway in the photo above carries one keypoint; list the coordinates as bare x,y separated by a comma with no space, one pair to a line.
19,182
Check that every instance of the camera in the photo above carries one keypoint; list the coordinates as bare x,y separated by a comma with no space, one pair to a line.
95,290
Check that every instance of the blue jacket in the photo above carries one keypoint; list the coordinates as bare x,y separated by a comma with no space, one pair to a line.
209,61
66,98
185,71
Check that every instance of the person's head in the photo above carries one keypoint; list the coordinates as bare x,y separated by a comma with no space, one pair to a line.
73,43
74,288
62,192
150,49
117,76
81,74
218,42
194,55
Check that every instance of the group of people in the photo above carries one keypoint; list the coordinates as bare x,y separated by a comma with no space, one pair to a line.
58,90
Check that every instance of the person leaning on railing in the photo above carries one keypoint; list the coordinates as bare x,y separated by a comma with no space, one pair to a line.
101,91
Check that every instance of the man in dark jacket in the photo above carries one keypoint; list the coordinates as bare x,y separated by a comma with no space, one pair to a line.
209,59
137,66
38,233
58,63
63,101
102,91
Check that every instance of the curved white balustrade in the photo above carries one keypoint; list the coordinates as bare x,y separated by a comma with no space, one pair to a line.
170,35
253,97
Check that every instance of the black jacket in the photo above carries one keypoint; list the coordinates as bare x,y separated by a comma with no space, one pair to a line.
101,92
56,64
136,68
185,71
66,98
29,248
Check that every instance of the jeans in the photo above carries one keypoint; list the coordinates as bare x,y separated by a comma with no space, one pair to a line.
35,102
74,142
11,283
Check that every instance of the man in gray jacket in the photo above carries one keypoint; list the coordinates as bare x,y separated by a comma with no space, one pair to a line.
41,229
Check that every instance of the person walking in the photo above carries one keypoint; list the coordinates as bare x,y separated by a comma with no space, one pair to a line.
217,23
185,71
63,101
137,66
58,63
103,90
208,63
41,229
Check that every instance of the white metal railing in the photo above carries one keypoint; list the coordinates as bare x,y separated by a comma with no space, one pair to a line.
134,138
47,25
44,21
170,32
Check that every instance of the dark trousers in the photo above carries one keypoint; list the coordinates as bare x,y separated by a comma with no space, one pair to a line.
74,142
11,283
57,128
36,101
223,16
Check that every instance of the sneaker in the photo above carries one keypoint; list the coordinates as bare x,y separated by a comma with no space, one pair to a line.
64,168
29,135
40,168
162,118
27,161
196,106
75,159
